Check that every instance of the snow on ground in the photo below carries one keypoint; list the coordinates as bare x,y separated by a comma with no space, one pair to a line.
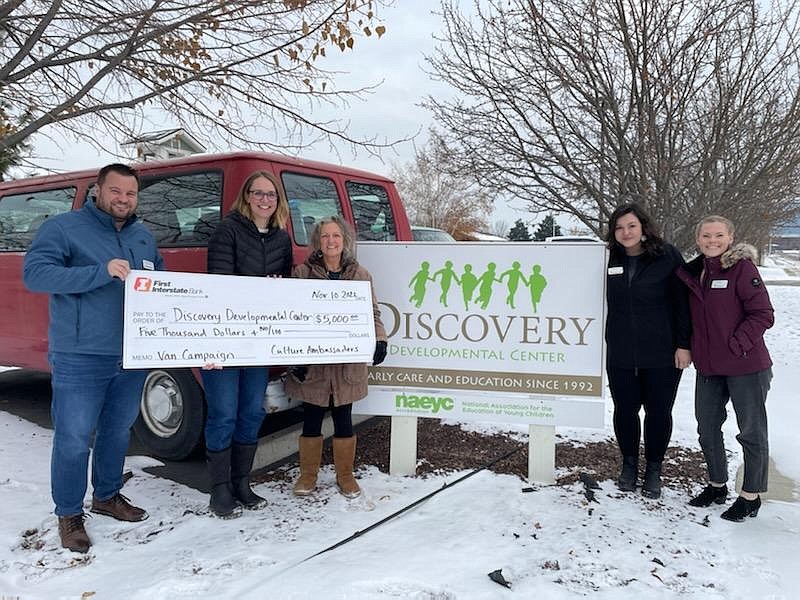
550,542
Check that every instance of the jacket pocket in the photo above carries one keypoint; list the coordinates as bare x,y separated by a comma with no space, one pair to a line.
314,374
736,348
355,373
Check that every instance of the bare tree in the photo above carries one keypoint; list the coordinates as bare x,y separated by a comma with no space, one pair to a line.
434,198
500,227
687,106
226,69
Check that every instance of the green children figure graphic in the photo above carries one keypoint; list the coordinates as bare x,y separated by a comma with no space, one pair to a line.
486,281
514,277
418,282
447,276
536,283
468,284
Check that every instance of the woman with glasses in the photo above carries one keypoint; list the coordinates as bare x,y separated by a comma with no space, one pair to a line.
251,240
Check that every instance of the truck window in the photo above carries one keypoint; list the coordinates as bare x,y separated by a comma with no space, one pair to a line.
181,210
310,199
22,214
371,211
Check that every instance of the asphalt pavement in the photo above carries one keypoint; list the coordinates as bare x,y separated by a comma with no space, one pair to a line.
27,395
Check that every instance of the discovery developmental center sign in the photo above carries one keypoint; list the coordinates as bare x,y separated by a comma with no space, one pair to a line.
489,332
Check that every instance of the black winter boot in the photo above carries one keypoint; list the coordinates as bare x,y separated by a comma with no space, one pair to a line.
710,493
629,473
242,456
222,502
651,486
742,508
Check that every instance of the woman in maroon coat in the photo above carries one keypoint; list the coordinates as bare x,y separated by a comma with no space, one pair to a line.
731,311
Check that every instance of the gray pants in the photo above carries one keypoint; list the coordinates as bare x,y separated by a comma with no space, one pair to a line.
748,394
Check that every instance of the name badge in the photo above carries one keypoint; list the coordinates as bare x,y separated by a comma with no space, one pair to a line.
719,284
615,270
146,264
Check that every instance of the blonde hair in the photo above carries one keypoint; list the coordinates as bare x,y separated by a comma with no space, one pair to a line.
348,237
715,219
281,214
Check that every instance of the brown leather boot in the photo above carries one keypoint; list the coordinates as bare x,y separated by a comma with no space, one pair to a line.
344,453
73,534
118,507
310,457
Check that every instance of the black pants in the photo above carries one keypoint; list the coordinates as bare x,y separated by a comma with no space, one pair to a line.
313,415
655,389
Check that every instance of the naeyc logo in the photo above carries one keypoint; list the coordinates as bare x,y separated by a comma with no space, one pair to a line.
477,288
432,404
143,284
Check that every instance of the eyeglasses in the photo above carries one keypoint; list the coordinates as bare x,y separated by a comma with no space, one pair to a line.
260,195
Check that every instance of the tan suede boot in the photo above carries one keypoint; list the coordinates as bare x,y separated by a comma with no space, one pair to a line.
344,453
310,457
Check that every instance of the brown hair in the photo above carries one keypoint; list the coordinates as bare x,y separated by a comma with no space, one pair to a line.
119,169
281,214
652,242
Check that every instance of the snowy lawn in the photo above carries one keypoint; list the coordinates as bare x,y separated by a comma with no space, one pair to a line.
551,542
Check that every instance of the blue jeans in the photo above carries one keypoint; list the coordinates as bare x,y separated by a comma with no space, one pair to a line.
235,401
91,394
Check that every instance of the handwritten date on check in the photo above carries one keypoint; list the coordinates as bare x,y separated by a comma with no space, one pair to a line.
190,319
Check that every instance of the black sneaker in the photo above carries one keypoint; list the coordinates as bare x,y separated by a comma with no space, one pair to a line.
742,508
710,494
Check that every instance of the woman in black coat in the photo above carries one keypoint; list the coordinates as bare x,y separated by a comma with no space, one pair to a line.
250,240
648,331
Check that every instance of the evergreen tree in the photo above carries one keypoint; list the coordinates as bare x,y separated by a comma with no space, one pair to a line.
519,232
547,228
14,155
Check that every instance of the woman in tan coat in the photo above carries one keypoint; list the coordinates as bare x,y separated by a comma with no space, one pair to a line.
333,387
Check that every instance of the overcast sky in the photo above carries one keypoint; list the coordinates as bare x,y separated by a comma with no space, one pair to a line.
391,112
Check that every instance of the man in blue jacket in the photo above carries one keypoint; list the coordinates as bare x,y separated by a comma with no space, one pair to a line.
81,259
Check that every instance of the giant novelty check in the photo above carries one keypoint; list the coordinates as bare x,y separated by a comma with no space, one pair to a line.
191,319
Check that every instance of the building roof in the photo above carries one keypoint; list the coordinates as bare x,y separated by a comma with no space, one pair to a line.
162,136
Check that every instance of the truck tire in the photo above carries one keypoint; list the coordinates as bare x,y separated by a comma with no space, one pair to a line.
172,414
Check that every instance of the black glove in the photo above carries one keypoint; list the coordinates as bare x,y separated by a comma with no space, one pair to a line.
299,373
380,353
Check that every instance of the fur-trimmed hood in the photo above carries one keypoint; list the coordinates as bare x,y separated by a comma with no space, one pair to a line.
728,259
739,252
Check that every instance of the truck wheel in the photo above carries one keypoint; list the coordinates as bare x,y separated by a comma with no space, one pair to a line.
172,414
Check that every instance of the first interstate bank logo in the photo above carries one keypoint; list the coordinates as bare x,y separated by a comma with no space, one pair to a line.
148,284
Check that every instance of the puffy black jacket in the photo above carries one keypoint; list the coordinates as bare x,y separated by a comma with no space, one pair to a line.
237,247
648,318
